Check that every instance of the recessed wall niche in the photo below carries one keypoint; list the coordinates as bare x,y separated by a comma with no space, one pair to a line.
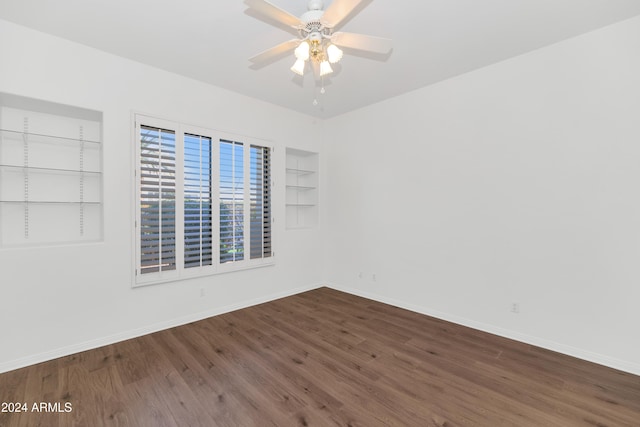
301,189
50,173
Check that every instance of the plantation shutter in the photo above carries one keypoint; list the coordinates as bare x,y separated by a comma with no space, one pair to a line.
198,214
204,202
157,200
231,201
260,195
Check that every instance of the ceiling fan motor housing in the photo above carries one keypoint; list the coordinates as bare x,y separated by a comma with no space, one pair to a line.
311,16
315,5
315,30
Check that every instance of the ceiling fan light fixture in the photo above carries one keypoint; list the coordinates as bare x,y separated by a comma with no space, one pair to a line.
325,68
298,67
317,41
302,51
334,53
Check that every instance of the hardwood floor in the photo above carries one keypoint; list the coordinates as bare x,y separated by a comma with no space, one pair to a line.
321,358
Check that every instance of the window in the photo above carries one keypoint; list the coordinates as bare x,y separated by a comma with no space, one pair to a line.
260,182
204,202
157,200
231,201
198,202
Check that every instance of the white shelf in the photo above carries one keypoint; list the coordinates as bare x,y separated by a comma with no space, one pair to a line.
7,134
50,173
49,202
299,171
36,169
301,189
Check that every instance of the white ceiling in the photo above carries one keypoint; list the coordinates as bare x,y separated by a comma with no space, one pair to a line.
211,40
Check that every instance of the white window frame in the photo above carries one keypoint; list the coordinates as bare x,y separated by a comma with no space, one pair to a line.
181,272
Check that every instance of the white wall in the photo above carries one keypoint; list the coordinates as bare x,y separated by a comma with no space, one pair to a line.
514,183
519,182
57,300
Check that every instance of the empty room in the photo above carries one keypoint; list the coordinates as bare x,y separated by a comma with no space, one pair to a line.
319,213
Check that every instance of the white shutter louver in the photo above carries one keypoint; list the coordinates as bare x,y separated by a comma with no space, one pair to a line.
231,201
157,200
260,194
198,214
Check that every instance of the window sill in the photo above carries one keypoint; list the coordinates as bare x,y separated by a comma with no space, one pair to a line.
172,276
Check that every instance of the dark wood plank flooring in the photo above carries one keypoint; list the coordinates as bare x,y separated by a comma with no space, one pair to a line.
321,358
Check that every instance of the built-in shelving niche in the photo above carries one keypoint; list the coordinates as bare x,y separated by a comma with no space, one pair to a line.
50,173
301,188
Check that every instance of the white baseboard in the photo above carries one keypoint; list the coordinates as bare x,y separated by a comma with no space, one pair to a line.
622,365
627,366
134,333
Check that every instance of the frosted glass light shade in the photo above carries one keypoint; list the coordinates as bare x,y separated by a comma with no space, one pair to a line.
325,68
334,53
298,67
302,51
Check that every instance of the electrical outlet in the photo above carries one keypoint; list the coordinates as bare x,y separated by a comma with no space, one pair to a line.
360,275
373,277
515,307
201,292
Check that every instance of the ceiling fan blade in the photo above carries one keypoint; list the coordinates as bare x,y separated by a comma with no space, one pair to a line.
274,12
339,10
362,42
276,52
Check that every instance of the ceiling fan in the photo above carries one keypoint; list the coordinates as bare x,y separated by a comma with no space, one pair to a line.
317,42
